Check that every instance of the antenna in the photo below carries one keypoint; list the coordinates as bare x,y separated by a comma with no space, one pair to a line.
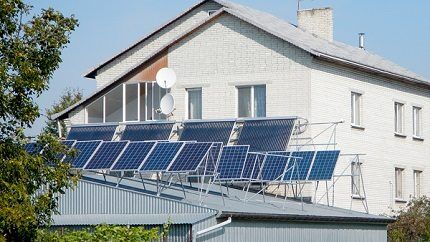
167,104
166,78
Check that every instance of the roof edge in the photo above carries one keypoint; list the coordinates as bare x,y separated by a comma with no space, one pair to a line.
307,218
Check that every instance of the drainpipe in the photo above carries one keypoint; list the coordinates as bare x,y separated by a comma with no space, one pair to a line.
59,128
207,230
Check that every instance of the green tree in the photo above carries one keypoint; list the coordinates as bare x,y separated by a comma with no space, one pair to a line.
412,222
68,98
30,51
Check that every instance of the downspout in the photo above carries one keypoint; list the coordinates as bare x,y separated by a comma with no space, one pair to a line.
207,230
59,128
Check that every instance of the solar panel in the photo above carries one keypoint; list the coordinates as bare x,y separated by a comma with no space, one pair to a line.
303,159
148,131
273,167
190,157
214,155
252,166
161,156
106,155
324,164
69,144
82,133
33,148
133,156
231,162
85,150
266,134
212,131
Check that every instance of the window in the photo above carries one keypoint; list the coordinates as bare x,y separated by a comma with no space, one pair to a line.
194,103
251,101
398,117
417,183
416,120
356,109
95,111
131,102
399,183
113,105
355,178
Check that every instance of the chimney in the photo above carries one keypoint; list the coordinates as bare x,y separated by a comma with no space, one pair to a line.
361,40
318,21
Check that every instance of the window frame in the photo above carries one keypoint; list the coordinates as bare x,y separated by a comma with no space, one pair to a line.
399,116
252,100
356,122
399,193
187,101
417,124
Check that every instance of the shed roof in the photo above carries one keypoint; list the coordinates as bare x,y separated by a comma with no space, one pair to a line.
233,205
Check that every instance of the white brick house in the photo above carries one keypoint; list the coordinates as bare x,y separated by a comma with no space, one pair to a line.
217,47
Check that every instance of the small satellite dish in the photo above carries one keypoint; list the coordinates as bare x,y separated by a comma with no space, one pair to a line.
166,78
167,104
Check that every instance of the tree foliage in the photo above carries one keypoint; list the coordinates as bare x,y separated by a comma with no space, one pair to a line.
68,98
105,233
413,222
30,51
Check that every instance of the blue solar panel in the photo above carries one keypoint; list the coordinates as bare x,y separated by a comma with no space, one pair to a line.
106,155
211,131
231,162
273,167
252,166
69,144
214,155
161,156
33,148
266,134
133,156
190,157
81,133
85,149
324,164
148,131
303,162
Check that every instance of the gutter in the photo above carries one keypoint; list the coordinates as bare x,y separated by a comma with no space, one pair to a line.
307,218
212,228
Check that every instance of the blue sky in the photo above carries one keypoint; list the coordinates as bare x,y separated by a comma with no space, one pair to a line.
397,30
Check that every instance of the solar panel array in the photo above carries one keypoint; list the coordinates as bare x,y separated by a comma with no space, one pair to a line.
105,155
214,131
33,148
190,157
161,156
252,166
133,156
231,162
264,135
85,151
148,131
324,164
84,133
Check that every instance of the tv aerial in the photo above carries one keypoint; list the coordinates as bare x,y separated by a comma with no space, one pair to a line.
166,78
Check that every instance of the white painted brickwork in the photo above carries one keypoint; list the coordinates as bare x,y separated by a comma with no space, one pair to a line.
229,52
141,51
317,21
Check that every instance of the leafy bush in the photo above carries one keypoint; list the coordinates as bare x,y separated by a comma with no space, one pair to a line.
413,222
104,233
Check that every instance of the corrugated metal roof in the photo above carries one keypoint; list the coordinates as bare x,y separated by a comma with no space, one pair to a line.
100,198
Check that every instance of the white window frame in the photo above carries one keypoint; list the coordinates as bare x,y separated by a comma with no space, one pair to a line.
399,195
399,118
252,96
356,188
356,121
417,174
417,127
187,100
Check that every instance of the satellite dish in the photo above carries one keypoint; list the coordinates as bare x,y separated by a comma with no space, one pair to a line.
166,78
167,104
